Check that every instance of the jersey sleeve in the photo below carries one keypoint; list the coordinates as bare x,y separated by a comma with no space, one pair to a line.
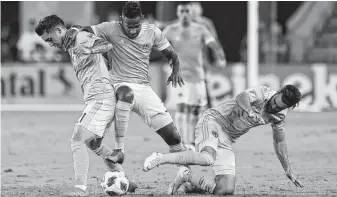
160,41
255,94
207,35
86,39
210,26
103,30
83,39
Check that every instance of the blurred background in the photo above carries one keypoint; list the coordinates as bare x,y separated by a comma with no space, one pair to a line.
297,45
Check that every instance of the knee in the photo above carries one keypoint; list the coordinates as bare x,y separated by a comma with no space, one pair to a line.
124,93
94,143
225,185
170,134
81,136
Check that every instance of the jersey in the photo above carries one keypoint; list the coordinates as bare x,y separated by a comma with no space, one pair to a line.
208,55
189,44
235,121
129,58
91,70
208,24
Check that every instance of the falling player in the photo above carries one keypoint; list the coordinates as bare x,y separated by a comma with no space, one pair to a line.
189,40
129,64
99,97
221,126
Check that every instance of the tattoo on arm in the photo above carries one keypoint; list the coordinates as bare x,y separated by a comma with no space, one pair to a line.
172,56
280,147
282,154
101,46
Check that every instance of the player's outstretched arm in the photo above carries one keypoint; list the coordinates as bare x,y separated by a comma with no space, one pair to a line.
70,36
175,76
99,46
244,103
280,147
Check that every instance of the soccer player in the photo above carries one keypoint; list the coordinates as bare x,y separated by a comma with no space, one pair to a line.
129,65
208,55
221,126
189,40
99,97
198,17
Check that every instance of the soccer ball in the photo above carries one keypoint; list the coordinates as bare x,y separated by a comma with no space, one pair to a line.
115,183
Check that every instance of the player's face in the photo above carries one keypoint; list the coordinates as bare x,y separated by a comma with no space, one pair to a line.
276,104
132,26
184,13
54,38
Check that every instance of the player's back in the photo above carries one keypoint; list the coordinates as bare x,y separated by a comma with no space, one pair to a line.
188,43
129,58
235,120
91,70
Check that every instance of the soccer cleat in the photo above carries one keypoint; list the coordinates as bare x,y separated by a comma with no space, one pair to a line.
117,156
178,181
152,161
76,192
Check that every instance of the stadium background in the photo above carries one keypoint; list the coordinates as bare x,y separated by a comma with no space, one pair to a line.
297,40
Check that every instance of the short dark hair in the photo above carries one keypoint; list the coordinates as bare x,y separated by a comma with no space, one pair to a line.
291,95
47,23
132,9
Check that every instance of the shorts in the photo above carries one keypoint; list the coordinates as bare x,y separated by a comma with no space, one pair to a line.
98,113
209,133
192,93
148,105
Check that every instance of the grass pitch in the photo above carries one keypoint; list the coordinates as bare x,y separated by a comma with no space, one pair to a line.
36,159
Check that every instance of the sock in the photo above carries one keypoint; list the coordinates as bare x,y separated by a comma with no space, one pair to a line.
188,158
192,121
81,162
103,151
122,119
205,183
180,119
176,148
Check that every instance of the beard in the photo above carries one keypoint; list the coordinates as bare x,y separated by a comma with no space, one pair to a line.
269,109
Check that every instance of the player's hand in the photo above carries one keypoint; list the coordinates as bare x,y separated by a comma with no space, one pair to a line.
82,50
256,117
292,177
69,38
175,78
